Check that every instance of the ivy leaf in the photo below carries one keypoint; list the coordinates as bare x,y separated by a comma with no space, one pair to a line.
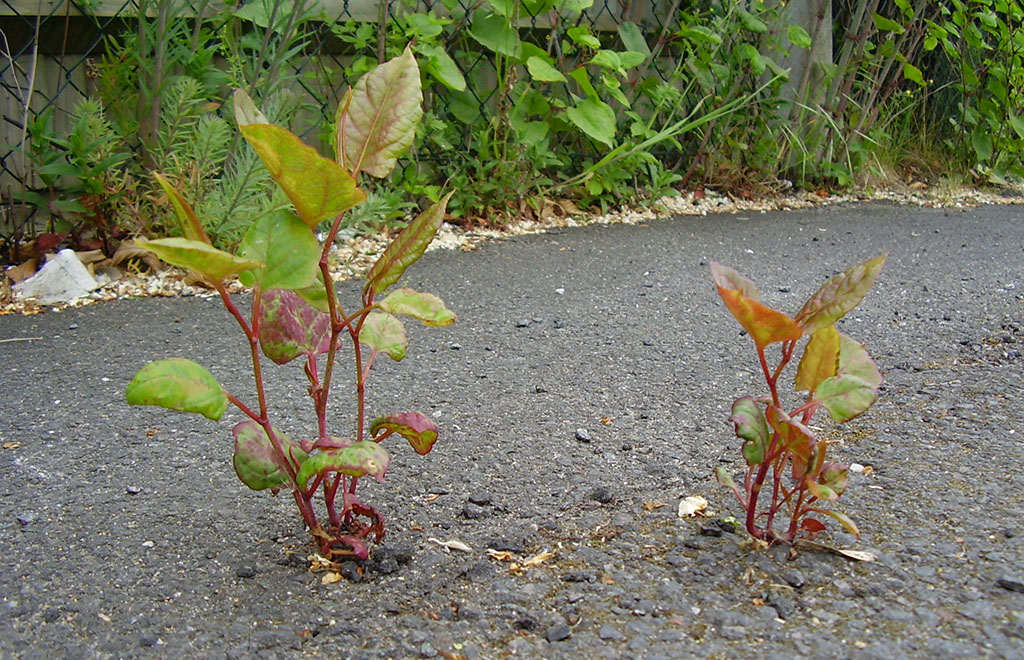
407,247
255,461
385,333
290,327
288,250
839,295
751,426
177,384
318,187
357,460
425,307
378,117
417,428
201,257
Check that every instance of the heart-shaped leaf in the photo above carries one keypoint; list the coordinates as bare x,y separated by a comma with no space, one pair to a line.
256,462
290,327
378,117
752,427
385,333
288,250
408,246
357,460
318,187
839,295
820,359
417,428
425,307
201,257
178,384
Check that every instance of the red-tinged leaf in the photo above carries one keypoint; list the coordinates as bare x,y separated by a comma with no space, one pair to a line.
839,295
855,386
752,427
407,247
359,459
425,307
820,359
318,187
288,250
729,278
201,257
417,428
385,333
843,519
290,327
177,384
378,117
796,438
811,525
190,225
834,476
256,462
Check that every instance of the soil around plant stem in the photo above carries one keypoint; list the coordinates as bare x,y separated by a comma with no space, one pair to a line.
584,391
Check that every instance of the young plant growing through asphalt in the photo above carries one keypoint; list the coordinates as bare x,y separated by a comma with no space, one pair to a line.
295,313
838,375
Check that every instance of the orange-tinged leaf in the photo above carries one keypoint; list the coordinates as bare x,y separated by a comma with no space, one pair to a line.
729,278
764,324
318,187
407,247
198,256
820,359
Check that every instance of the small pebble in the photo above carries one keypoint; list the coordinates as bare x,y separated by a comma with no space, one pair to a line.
602,494
245,571
558,632
133,490
480,498
1011,584
583,435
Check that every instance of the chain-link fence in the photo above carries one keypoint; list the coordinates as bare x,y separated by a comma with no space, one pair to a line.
56,53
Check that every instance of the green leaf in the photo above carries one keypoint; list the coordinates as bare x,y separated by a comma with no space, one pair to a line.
752,427
912,73
821,491
609,59
798,36
442,67
633,39
580,35
854,388
407,247
835,477
742,298
289,327
256,462
318,187
1017,124
631,59
820,359
378,117
315,294
574,6
541,71
286,247
425,307
385,333
724,478
981,140
887,24
839,295
415,427
751,22
177,384
357,460
582,78
595,118
796,438
201,257
495,33
190,225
